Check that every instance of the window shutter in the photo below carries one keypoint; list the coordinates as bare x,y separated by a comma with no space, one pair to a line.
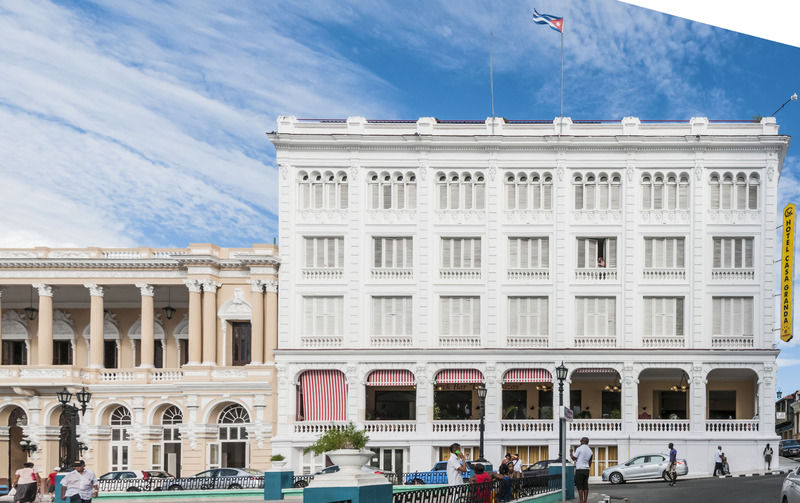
747,321
590,201
308,316
669,257
648,252
582,252
442,196
319,252
748,252
536,195
611,252
591,253
738,253
647,317
411,195
454,196
658,195
717,253
580,316
717,322
578,196
616,189
679,316
658,245
446,253
727,190
544,316
683,196
331,258
476,250
548,196
389,260
611,313
409,252
317,195
741,196
602,195
513,316
309,252
480,196
511,200
330,195
715,196
407,315
513,253
374,199
330,314
753,202
545,255
387,195
304,196
458,258
524,253
377,316
467,188
681,245
647,198
476,315
343,195
523,196
444,316
378,251
400,195
672,201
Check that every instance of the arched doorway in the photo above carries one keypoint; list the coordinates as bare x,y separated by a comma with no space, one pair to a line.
121,421
233,436
170,421
16,456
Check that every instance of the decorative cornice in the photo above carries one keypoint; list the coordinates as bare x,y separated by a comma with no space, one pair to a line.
95,290
44,290
145,289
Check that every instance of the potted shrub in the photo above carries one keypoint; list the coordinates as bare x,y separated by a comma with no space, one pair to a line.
278,461
345,447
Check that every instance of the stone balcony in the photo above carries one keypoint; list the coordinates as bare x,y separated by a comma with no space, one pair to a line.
596,274
737,274
391,273
663,341
665,426
732,341
528,275
460,274
322,273
526,425
664,274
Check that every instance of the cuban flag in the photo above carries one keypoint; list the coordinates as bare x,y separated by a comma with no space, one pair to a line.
554,22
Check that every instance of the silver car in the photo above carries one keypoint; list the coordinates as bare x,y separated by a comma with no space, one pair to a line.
647,466
790,492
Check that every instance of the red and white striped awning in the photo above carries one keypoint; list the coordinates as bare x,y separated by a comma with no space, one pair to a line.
324,395
459,376
391,377
527,375
598,370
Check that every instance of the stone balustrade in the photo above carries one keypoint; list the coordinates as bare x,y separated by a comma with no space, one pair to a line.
390,426
595,425
596,274
392,274
663,425
322,273
664,274
528,274
526,425
391,341
460,274
527,341
732,425
459,341
663,341
732,341
740,274
321,341
595,341
463,426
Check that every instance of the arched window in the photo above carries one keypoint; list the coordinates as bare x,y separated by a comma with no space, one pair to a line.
230,416
616,191
603,188
461,191
647,192
120,437
511,192
658,192
683,192
577,183
326,190
714,191
727,191
167,456
753,184
547,191
672,192
741,191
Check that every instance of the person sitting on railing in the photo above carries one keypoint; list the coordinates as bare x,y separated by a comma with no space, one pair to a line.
483,492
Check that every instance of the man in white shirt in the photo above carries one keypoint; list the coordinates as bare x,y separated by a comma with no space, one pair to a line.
719,461
456,466
79,485
517,473
583,459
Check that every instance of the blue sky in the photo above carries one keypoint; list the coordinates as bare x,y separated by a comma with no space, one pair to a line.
142,123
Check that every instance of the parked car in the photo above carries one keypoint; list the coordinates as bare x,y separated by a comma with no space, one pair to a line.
648,466
540,468
790,492
438,474
219,478
789,448
132,480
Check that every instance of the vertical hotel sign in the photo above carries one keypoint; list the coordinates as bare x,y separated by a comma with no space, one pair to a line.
787,274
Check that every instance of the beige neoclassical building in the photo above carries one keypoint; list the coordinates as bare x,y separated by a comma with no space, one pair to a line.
175,345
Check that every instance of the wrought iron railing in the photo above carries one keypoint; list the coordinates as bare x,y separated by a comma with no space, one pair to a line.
505,490
182,484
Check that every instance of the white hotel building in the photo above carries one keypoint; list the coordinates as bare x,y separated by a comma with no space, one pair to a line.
423,259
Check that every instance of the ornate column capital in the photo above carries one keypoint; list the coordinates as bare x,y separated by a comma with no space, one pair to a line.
271,286
145,289
193,285
44,290
256,285
95,290
210,286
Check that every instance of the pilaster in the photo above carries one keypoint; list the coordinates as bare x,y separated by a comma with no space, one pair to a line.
148,325
195,321
45,331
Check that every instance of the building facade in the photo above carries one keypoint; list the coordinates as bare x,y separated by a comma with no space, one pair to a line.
175,345
424,259
785,416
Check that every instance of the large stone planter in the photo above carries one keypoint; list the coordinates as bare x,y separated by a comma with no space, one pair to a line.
350,473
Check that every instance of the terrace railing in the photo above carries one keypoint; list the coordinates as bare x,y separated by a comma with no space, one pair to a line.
507,490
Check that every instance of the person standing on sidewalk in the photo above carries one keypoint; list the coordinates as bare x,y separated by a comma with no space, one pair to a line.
79,485
673,462
583,459
456,466
25,481
719,458
768,456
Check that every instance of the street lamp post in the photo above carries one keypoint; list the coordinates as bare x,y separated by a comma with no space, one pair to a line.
482,396
69,428
561,375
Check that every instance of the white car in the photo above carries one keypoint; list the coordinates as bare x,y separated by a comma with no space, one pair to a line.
790,492
647,466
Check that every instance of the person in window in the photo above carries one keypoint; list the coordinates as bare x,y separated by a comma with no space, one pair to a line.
601,262
644,414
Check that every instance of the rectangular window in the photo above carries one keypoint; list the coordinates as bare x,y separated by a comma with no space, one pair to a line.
664,253
15,353
663,316
733,316
391,315
323,315
596,316
527,316
62,353
528,253
110,360
324,252
461,253
597,252
393,252
460,316
733,253
241,343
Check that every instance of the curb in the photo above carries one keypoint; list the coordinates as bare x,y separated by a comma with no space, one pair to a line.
759,474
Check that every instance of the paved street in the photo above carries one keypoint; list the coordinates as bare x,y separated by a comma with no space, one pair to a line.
709,490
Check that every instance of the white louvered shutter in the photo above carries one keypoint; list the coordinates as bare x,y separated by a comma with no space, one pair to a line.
611,252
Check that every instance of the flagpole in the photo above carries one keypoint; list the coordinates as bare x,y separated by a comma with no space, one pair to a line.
561,116
491,76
